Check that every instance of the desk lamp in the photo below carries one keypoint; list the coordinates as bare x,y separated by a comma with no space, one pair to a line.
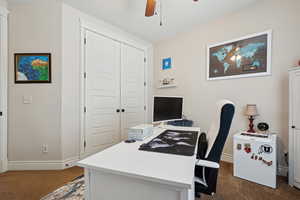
251,112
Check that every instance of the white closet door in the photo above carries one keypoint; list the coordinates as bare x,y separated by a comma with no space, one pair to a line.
296,157
3,92
102,58
132,88
296,99
296,122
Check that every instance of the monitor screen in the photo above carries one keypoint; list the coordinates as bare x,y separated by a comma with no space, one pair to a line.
167,108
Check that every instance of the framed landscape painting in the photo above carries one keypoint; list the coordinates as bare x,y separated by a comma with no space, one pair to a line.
32,68
244,57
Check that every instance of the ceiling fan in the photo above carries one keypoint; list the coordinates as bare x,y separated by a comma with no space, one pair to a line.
153,7
150,8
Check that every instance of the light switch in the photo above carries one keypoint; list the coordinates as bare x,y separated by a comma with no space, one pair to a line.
27,99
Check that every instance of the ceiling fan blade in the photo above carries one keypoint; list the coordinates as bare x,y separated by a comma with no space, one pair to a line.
150,8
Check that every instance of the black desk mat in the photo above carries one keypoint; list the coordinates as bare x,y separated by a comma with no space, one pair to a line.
173,142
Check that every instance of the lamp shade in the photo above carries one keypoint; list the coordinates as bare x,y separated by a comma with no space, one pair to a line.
251,110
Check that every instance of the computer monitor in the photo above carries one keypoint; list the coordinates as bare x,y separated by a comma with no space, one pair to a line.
167,108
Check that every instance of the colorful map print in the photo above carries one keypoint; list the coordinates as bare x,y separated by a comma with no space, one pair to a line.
240,57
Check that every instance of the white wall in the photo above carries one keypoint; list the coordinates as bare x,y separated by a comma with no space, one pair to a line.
53,118
71,72
270,93
35,27
70,132
3,3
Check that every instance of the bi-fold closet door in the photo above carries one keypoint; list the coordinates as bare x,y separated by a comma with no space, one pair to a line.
114,91
294,128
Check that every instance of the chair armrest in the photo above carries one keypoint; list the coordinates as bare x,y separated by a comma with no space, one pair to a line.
202,146
209,164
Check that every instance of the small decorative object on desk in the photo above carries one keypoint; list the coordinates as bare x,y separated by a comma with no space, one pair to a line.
251,112
139,133
263,127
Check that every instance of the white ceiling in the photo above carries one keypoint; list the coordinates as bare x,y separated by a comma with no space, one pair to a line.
178,15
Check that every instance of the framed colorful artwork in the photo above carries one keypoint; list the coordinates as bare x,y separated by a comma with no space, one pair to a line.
166,63
32,68
243,57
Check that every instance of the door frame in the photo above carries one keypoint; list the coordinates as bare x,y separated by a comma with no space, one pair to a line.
3,89
118,35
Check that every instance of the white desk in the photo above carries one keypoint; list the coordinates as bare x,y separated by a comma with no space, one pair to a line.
124,172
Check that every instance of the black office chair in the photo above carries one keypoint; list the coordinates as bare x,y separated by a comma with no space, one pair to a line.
207,165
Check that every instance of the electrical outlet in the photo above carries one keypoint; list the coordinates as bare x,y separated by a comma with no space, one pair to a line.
45,148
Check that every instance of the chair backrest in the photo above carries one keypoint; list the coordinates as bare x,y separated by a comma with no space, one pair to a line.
219,130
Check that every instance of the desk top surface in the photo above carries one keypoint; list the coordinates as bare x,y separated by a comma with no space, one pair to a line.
125,159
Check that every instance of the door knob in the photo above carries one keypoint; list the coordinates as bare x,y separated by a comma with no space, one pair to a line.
1,113
118,110
123,110
293,126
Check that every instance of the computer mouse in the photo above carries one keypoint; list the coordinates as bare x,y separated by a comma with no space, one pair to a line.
130,141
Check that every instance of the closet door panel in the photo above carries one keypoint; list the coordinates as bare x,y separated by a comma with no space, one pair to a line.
297,156
296,122
102,59
296,100
132,88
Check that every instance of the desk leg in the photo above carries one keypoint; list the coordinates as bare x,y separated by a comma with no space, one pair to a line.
87,178
187,194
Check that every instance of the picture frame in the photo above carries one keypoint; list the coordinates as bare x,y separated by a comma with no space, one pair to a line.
166,63
32,68
259,64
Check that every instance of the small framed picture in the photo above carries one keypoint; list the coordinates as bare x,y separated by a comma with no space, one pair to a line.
166,63
32,68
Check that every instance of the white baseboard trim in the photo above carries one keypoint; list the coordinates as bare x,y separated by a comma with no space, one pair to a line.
70,162
34,165
3,166
226,157
41,165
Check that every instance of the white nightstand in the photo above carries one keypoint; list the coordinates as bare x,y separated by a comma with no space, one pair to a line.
255,158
